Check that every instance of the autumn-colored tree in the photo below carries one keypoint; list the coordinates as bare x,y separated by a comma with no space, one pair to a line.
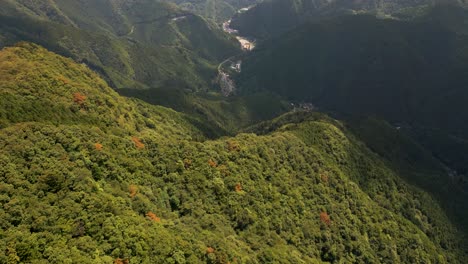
325,218
212,163
238,187
121,261
210,250
79,98
98,146
133,189
153,217
138,143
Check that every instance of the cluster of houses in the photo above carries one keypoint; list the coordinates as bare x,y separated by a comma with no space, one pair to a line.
236,66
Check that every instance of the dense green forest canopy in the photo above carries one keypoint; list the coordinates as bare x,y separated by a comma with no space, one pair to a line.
87,176
90,176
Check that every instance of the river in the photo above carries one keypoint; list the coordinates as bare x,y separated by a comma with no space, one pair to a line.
246,44
225,81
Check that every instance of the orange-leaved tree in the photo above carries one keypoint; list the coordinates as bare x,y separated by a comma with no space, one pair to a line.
238,187
212,163
325,218
98,146
79,98
153,217
210,250
121,261
138,143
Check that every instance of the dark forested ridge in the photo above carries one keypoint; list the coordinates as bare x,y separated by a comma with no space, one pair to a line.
274,17
411,73
90,177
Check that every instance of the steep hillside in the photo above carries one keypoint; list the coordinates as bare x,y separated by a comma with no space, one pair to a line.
133,44
89,177
216,10
411,73
274,17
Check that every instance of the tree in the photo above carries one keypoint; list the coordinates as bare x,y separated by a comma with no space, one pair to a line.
212,163
133,190
153,217
325,218
79,98
138,143
238,187
98,146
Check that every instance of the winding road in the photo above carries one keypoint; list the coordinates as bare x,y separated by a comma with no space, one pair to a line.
226,83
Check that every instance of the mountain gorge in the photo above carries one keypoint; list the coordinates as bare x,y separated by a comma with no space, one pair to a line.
410,73
345,140
135,44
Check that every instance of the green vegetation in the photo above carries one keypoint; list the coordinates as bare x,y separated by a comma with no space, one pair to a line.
133,44
409,73
87,176
216,10
275,17
151,50
404,72
228,115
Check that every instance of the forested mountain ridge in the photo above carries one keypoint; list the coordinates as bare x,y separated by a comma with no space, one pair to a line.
274,17
410,73
148,49
134,44
405,72
216,10
100,178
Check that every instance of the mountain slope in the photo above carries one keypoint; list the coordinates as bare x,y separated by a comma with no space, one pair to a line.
404,72
216,10
274,17
101,178
132,43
